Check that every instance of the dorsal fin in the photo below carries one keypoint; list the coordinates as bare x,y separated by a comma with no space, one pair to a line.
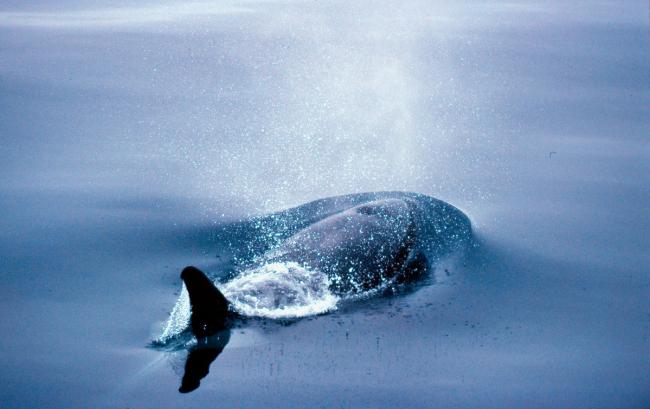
209,306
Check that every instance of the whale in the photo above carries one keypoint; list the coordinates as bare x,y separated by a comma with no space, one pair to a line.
338,248
376,243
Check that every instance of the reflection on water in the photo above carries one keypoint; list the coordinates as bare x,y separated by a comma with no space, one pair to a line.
199,358
116,17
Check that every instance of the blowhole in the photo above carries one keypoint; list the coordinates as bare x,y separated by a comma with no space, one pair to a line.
367,210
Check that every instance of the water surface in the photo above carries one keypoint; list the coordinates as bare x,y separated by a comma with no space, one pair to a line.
131,132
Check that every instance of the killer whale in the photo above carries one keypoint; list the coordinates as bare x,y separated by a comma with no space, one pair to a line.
369,244
356,243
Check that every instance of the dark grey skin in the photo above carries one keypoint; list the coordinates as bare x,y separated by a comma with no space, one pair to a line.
360,249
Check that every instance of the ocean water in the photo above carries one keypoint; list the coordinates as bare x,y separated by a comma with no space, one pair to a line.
132,132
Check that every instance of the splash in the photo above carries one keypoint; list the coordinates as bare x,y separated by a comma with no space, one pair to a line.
273,290
179,318
280,290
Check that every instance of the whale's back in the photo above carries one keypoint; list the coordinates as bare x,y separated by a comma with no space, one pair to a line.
358,248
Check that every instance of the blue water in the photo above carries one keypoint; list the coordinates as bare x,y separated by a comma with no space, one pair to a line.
130,133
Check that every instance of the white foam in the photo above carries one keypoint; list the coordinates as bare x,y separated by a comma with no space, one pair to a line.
280,290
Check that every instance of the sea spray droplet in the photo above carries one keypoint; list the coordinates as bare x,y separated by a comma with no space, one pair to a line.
179,318
280,290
